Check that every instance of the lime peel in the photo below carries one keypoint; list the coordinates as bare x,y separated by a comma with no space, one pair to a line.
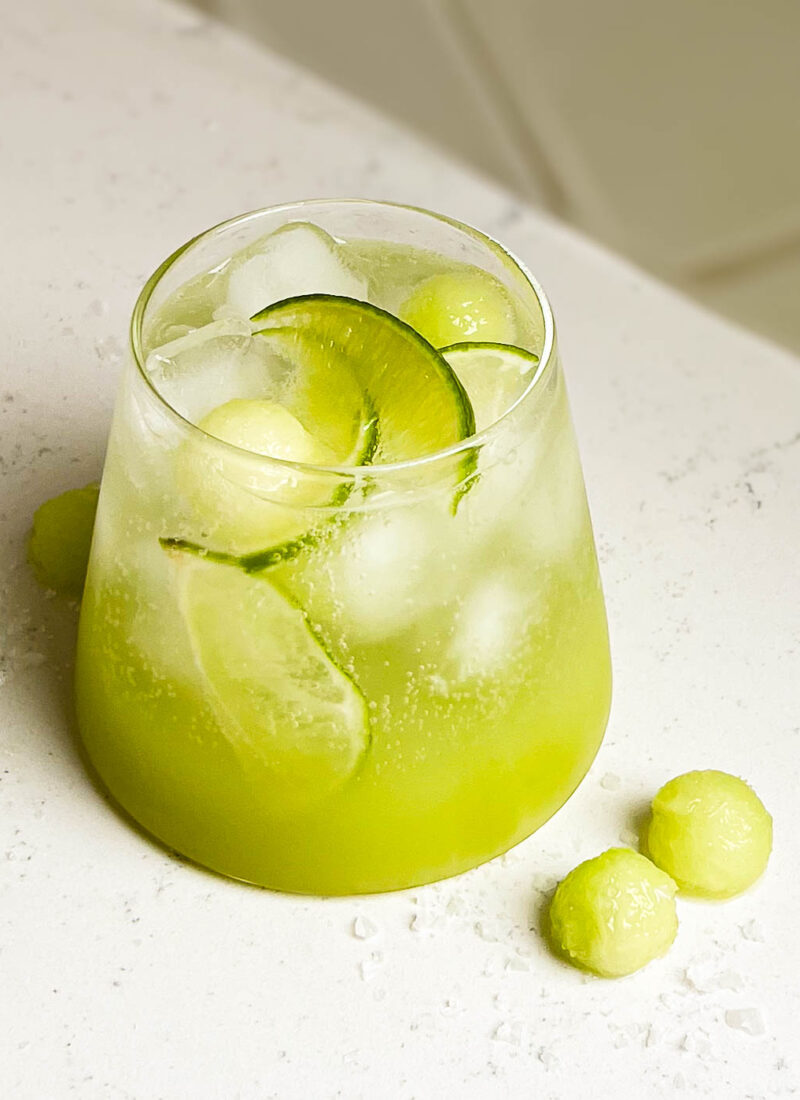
421,408
494,376
258,561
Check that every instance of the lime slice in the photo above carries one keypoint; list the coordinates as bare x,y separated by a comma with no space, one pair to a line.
461,305
324,394
420,405
494,376
279,697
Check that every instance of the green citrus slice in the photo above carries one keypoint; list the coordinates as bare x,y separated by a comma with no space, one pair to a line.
494,376
279,697
419,404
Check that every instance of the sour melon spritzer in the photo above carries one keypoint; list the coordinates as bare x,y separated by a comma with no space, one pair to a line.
342,629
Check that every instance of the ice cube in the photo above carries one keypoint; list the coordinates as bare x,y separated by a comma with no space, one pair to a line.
490,624
384,575
506,466
556,517
209,366
298,259
531,488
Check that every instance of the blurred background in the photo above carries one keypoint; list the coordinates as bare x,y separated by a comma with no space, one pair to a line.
671,132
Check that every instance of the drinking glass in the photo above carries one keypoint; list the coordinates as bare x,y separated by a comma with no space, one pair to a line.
416,684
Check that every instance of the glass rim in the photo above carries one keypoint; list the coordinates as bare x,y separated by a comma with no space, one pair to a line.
379,469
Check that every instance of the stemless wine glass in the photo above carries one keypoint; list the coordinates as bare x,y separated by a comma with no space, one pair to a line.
388,673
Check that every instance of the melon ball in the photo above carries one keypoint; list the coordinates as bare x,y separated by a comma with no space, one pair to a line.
710,832
614,914
461,305
59,544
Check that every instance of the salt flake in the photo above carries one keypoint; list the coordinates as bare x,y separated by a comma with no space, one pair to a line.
364,928
748,1020
610,782
509,1032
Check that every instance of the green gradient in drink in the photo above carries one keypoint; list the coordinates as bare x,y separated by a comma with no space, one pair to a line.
331,640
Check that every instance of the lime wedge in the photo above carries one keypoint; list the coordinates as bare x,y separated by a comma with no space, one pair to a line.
280,699
494,376
420,405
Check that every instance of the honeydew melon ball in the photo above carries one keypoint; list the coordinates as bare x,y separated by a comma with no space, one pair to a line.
614,914
264,428
710,832
59,544
461,305
235,494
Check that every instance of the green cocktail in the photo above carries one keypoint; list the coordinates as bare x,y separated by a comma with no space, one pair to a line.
342,629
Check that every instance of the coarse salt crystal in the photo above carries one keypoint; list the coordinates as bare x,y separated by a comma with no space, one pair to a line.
748,1020
364,928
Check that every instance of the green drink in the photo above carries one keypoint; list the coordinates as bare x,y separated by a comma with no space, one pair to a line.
342,628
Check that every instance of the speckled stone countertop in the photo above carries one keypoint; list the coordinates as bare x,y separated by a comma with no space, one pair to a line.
125,128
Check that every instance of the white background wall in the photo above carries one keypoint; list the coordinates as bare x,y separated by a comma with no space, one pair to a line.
671,132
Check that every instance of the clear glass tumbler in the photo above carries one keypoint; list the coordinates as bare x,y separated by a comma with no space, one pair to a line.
416,684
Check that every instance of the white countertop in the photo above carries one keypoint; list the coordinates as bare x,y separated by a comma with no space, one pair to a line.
127,126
